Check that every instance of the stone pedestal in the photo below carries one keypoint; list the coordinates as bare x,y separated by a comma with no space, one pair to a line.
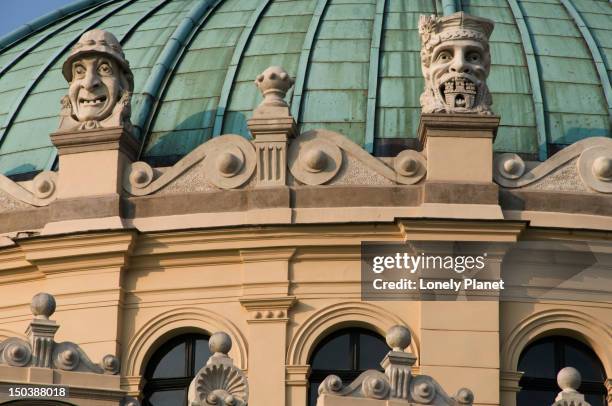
272,134
459,147
91,166
459,151
91,162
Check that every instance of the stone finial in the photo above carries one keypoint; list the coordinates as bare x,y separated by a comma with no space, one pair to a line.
101,84
42,305
569,381
274,83
220,343
219,382
455,61
272,126
42,351
398,338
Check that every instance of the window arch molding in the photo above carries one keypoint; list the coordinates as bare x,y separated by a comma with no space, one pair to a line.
570,323
175,322
338,316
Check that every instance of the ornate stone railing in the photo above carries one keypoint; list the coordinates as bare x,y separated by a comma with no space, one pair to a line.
396,383
57,363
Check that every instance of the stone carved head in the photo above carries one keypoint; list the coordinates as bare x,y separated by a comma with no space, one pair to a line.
455,60
101,83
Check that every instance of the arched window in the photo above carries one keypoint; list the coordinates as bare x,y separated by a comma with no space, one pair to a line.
346,353
543,359
172,368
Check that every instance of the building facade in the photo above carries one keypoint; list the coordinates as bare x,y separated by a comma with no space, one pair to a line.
176,168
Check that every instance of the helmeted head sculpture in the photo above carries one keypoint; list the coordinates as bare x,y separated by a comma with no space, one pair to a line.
101,83
455,60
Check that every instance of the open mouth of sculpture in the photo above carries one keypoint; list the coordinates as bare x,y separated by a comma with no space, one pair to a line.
92,102
458,92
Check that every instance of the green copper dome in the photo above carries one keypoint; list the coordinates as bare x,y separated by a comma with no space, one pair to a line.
356,64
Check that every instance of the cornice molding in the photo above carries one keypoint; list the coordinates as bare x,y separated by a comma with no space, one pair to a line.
75,252
470,230
267,255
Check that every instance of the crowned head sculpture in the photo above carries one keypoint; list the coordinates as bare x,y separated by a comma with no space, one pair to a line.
455,60
101,84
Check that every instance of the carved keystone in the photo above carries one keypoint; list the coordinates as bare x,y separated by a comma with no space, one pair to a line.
272,126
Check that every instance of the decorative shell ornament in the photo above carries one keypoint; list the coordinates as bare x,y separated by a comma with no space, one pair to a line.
219,382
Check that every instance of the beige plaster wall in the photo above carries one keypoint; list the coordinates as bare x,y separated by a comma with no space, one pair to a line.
277,291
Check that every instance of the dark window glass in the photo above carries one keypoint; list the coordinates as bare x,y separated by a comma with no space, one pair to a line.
172,368
371,352
202,353
346,353
543,359
169,398
172,364
335,353
538,360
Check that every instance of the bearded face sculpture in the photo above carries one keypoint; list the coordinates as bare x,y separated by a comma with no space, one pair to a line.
101,84
455,60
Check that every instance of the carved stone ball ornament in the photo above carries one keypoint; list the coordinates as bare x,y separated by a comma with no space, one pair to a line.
398,338
42,305
455,60
101,84
569,381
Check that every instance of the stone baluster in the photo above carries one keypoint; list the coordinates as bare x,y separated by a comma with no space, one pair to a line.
569,381
41,330
272,127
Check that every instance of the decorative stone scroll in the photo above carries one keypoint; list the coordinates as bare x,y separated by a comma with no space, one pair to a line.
227,162
101,84
593,166
569,381
455,60
219,382
42,351
316,157
41,192
397,382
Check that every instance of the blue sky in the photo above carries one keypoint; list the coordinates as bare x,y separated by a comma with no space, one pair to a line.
15,13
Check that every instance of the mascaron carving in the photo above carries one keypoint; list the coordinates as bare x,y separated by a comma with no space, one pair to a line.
42,350
455,60
101,84
397,382
219,382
